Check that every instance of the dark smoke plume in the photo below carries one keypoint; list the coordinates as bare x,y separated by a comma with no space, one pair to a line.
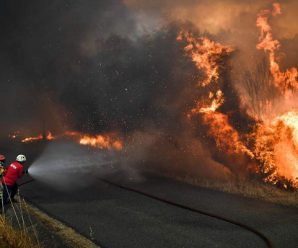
87,62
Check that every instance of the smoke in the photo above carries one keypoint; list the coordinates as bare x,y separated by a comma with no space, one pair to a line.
217,16
231,22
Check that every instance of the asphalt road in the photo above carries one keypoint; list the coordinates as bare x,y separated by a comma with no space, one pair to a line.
117,218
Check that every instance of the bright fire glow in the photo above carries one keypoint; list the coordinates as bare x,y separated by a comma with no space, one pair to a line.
285,81
276,146
276,139
101,141
39,137
31,139
207,56
273,143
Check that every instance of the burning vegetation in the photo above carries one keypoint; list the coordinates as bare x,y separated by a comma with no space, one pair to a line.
273,142
39,137
100,141
169,93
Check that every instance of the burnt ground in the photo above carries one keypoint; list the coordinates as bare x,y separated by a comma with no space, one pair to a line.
115,217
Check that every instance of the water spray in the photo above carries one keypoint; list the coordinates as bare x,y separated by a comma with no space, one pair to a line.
65,165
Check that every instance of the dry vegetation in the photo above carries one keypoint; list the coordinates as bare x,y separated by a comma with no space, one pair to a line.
14,238
251,189
26,235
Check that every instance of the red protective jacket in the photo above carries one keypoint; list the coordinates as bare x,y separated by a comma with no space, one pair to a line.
13,173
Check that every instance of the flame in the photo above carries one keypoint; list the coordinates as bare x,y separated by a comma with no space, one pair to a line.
275,136
39,137
50,136
216,102
33,138
101,141
226,137
276,146
207,56
285,81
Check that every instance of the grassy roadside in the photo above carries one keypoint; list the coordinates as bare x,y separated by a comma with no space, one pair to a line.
25,226
14,238
256,190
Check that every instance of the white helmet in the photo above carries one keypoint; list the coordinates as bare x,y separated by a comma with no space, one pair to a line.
21,158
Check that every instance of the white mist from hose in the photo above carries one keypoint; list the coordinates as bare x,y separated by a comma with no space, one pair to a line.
64,165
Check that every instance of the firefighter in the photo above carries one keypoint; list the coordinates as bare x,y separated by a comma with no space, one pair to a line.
13,173
2,171
2,168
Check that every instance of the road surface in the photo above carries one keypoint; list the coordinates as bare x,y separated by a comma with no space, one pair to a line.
118,218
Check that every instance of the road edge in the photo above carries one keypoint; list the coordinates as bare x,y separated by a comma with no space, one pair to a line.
69,236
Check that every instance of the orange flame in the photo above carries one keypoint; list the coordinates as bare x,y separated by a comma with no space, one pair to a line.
38,138
50,136
216,102
32,139
272,136
276,146
226,137
101,141
285,81
207,56
276,138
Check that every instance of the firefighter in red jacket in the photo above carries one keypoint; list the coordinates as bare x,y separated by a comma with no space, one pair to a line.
13,172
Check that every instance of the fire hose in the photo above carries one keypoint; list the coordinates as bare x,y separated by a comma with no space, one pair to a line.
244,226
